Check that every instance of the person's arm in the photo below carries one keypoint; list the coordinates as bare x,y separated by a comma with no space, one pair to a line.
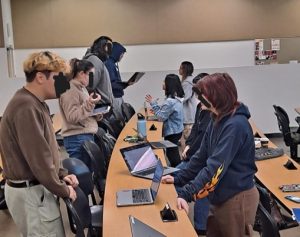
163,112
99,79
216,165
188,91
194,165
115,78
37,152
74,111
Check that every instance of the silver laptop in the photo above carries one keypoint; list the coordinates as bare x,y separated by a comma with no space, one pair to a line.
133,197
140,229
141,161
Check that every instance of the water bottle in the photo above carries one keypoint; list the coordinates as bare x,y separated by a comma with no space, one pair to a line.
141,126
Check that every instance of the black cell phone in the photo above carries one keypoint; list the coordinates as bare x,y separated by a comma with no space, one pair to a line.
201,98
167,214
293,198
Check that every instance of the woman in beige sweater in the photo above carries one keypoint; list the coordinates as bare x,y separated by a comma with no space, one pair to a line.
76,106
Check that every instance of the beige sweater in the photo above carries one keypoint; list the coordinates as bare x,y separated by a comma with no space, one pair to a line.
75,110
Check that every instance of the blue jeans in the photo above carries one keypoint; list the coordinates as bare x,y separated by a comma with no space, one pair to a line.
73,145
201,206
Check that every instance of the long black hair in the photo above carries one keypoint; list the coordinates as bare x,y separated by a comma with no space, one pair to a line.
78,65
173,86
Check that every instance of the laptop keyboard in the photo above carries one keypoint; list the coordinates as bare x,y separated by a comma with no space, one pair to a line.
145,172
265,153
141,195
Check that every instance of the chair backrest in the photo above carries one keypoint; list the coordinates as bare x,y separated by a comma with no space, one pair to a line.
283,124
127,111
79,212
268,226
112,126
98,165
106,144
74,219
83,174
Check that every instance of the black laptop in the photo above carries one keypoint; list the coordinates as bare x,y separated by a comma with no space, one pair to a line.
141,161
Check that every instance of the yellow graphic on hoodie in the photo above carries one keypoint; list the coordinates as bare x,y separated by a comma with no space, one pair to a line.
210,186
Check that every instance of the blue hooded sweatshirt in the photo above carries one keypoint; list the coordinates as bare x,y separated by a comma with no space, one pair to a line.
225,163
112,66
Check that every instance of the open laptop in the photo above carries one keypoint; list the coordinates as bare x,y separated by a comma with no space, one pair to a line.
141,161
134,197
140,229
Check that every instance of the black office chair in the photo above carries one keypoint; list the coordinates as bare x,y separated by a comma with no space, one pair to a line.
268,225
282,221
290,136
98,165
83,174
106,144
82,216
112,126
127,111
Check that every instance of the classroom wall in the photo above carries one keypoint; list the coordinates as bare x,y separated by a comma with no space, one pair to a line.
1,29
259,86
38,24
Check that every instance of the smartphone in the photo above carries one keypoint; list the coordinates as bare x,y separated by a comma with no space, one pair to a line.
293,198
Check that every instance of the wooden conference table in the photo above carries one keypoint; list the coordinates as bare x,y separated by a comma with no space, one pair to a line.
271,173
115,219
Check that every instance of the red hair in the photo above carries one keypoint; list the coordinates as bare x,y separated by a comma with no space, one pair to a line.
221,92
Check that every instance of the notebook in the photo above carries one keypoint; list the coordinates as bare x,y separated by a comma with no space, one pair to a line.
100,110
140,229
134,197
135,77
141,161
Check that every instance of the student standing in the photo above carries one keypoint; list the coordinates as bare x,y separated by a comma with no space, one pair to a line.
112,66
190,101
97,55
193,143
76,106
171,113
29,151
224,166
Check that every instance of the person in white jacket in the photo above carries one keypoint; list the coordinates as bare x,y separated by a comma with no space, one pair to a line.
190,101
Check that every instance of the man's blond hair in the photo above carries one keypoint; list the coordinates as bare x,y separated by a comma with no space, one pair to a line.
42,62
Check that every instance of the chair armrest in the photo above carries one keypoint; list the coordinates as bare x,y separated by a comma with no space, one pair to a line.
74,215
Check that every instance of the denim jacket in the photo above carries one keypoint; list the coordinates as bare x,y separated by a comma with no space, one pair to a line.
171,113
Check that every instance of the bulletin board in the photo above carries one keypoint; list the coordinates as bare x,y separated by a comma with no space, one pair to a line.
277,50
76,23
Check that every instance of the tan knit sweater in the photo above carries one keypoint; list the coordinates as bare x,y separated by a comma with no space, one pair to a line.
75,110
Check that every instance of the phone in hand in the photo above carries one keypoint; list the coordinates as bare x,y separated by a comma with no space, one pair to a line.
293,198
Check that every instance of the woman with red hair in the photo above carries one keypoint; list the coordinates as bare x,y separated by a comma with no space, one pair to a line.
223,168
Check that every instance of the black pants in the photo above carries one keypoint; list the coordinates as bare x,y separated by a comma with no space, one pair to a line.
173,153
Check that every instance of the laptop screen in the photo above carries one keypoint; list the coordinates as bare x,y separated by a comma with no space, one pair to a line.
139,158
156,179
